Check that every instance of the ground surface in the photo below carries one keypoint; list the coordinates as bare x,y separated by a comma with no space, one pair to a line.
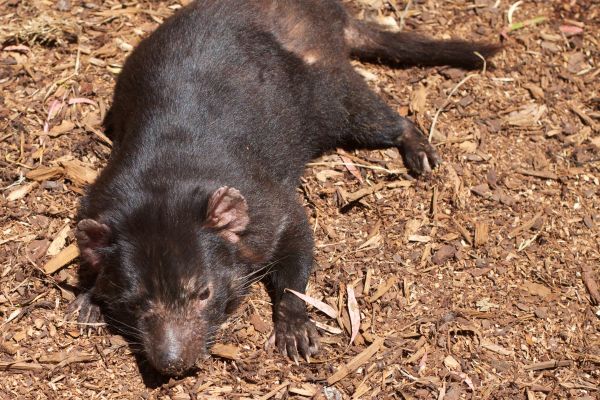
475,277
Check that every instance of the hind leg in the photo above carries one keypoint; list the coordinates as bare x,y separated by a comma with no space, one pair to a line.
372,124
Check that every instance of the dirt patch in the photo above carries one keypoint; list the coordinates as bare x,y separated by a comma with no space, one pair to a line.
478,283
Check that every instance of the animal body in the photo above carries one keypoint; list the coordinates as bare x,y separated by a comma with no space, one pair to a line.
214,117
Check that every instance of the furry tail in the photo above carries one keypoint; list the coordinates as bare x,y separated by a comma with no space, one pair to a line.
403,48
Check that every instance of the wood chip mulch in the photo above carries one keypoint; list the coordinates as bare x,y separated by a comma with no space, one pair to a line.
480,282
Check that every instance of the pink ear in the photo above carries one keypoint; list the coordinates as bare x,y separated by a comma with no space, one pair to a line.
91,236
228,213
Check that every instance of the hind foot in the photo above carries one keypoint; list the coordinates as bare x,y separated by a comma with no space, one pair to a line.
418,154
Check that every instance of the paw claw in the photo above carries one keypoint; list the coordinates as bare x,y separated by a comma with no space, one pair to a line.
296,336
88,312
419,155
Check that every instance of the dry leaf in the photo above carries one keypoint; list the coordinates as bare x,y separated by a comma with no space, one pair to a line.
354,312
486,344
351,168
334,330
64,127
21,191
319,305
537,289
527,116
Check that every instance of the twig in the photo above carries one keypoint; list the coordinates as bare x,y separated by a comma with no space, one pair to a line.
275,391
19,366
548,365
356,362
404,13
587,275
526,226
537,174
462,82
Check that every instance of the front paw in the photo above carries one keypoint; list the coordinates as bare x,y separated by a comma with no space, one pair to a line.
418,154
88,312
295,334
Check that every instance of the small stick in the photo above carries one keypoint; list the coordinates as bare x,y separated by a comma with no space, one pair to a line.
275,391
356,362
548,365
526,226
538,174
19,366
587,275
463,231
404,13
462,82
359,194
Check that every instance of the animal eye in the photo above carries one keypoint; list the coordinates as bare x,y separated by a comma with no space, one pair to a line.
204,294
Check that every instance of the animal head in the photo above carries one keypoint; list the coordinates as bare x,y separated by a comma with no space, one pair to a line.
169,273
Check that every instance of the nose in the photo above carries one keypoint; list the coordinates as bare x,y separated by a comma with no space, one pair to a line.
169,354
171,364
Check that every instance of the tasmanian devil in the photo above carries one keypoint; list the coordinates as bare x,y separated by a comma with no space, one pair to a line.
214,117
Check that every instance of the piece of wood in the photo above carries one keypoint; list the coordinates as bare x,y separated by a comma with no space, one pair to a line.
463,231
526,226
275,391
44,173
548,365
59,241
382,289
356,362
481,233
538,174
79,173
486,344
359,194
227,351
62,259
19,366
587,275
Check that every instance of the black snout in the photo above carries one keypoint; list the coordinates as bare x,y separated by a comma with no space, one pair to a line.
170,349
170,363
